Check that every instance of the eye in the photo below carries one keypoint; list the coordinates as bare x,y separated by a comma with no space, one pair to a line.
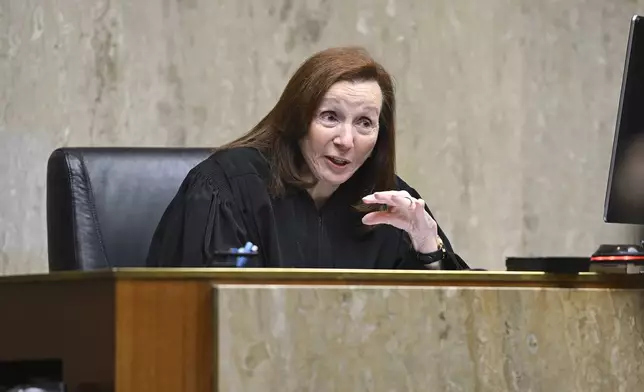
365,122
329,116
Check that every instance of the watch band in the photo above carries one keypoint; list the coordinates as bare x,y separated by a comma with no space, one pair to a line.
429,259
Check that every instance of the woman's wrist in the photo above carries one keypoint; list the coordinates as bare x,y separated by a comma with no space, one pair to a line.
428,244
432,259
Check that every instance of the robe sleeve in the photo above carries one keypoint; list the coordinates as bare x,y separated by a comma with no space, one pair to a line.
408,257
201,219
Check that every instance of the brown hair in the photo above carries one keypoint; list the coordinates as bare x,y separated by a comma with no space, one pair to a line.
278,134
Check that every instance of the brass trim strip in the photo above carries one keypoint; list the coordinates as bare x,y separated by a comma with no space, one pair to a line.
339,276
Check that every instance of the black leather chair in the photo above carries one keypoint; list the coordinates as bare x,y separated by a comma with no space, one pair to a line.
104,203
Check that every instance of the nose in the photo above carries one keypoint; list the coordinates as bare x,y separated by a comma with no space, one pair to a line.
344,138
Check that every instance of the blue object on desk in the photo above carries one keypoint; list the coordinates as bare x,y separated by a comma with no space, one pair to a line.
234,257
248,248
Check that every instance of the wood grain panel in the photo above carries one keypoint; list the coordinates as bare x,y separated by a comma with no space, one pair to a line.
164,338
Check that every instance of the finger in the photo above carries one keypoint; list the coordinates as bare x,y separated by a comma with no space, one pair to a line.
389,193
393,195
371,199
381,217
399,199
407,202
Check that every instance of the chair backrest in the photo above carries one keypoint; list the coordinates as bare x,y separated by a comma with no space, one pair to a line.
104,203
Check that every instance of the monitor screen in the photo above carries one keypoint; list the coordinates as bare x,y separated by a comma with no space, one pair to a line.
624,201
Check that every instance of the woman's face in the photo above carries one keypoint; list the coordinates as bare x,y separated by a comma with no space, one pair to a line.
342,133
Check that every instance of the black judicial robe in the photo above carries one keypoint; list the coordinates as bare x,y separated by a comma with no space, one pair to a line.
224,202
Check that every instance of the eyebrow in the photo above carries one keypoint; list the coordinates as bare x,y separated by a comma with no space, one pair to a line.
327,100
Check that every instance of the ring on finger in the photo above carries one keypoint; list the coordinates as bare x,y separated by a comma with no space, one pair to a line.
411,201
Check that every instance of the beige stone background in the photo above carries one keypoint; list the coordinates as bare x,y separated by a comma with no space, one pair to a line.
506,107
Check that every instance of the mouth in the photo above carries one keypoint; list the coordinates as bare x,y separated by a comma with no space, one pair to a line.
337,161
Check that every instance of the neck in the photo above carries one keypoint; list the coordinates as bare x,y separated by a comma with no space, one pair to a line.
320,193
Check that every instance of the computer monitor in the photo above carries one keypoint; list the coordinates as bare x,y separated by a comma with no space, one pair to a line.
624,202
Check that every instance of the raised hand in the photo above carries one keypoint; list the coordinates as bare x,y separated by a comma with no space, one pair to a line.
406,213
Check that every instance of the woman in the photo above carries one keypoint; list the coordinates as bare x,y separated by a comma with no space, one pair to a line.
312,185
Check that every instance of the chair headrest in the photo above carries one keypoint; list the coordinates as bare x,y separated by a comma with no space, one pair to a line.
104,203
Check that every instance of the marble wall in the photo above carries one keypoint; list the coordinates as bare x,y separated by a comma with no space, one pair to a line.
348,338
506,107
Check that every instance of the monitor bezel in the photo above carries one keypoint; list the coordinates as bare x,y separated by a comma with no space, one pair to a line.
610,215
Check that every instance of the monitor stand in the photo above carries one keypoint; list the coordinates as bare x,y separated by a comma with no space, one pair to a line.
618,258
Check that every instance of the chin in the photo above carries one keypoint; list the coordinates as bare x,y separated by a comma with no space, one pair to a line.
336,180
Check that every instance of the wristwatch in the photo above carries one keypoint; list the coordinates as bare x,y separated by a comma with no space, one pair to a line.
430,259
